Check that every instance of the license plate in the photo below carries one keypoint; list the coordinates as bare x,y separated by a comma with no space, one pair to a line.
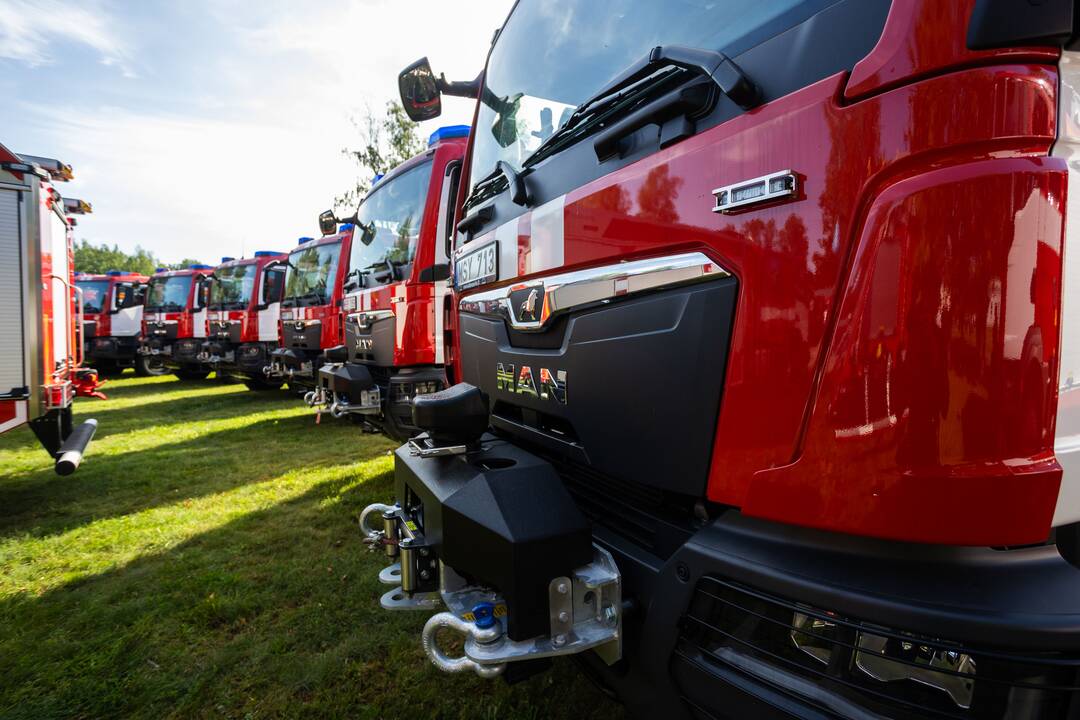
477,267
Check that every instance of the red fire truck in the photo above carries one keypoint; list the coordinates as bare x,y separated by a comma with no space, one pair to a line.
311,306
174,320
41,334
396,292
761,318
112,324
242,318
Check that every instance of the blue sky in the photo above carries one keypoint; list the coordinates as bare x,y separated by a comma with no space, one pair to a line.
205,128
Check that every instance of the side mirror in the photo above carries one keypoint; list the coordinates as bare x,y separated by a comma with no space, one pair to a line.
420,95
327,222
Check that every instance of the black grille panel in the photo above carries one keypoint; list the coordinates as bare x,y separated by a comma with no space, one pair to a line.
842,667
648,517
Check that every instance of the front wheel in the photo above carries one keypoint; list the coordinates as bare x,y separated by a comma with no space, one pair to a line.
191,373
149,366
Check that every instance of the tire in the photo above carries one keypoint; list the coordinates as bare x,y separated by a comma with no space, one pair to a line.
263,385
147,366
192,373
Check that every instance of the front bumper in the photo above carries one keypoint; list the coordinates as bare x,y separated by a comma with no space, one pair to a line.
292,365
122,349
745,618
246,360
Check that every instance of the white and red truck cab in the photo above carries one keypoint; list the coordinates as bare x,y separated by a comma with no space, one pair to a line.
112,323
243,315
174,320
41,352
311,307
767,318
395,302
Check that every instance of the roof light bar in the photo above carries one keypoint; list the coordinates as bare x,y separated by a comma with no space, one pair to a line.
57,170
75,206
447,132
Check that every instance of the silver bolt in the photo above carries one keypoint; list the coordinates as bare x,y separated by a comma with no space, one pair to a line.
610,616
564,616
562,588
558,640
425,575
424,552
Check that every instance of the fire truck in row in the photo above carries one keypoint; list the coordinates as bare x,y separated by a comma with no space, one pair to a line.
766,323
174,325
113,322
41,332
393,293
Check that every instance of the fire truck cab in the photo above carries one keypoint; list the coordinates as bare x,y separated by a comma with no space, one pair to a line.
762,312
243,315
174,320
41,350
112,325
311,308
396,292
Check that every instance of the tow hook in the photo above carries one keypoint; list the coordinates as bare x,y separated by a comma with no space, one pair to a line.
584,608
485,630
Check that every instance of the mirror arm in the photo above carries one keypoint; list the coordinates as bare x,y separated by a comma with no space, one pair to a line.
459,88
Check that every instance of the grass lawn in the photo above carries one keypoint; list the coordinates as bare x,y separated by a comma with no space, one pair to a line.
205,562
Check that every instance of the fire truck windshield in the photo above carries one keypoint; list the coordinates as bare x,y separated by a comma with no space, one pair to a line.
388,226
169,293
310,275
582,45
95,293
233,286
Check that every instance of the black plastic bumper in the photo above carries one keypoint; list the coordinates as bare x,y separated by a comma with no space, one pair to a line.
714,635
121,349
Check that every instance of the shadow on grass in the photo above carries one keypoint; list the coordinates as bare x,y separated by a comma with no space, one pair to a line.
114,481
274,614
124,483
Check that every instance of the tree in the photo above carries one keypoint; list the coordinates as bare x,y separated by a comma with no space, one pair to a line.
385,143
101,258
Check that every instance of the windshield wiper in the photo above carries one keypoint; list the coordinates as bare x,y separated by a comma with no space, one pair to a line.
641,81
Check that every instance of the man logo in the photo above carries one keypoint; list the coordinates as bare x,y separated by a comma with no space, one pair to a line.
528,307
552,385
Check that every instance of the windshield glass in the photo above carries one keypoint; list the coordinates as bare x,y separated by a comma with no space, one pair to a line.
582,45
94,294
310,275
388,225
169,294
233,287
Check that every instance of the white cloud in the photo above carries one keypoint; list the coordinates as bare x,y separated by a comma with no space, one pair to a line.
28,29
250,160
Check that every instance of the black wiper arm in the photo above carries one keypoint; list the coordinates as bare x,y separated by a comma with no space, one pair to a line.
716,66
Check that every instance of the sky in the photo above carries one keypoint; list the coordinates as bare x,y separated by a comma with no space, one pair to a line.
206,128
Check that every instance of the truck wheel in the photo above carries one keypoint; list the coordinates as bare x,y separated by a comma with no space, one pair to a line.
148,366
263,385
191,373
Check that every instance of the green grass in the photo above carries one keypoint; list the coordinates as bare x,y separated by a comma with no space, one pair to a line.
205,562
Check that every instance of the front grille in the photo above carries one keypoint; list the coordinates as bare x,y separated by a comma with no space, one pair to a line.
648,517
850,668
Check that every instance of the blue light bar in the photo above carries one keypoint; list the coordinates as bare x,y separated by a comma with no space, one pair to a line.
227,259
345,227
375,180
161,269
200,266
114,273
267,253
447,132
304,240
